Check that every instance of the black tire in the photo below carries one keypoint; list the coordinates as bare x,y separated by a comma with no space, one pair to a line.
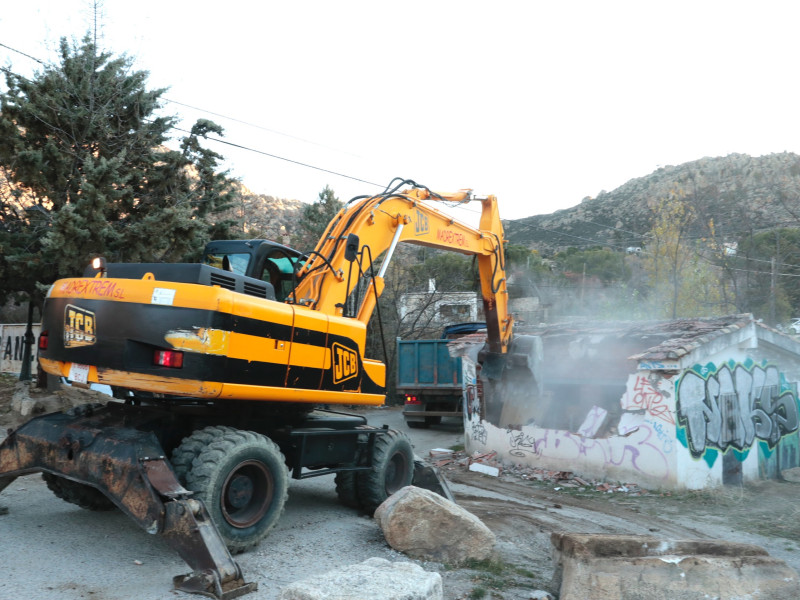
242,478
392,469
190,448
433,421
80,494
417,424
347,489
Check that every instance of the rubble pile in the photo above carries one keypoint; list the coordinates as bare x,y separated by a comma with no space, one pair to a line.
488,463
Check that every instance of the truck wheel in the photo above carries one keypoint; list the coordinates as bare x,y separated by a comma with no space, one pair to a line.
392,469
80,494
242,478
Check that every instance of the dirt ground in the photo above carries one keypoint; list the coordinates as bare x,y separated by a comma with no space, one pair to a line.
523,513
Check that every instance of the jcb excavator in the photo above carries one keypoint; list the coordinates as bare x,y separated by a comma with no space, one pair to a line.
219,368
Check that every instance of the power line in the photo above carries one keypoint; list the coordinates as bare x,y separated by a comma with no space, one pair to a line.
254,125
289,160
232,144
41,62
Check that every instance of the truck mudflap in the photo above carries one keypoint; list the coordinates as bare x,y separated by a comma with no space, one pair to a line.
95,446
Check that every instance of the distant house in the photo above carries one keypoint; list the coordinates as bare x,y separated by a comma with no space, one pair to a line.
683,404
441,308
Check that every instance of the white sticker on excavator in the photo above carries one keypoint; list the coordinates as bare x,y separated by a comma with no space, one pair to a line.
78,373
163,296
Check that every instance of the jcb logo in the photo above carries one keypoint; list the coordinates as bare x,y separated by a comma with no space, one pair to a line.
345,363
421,225
80,327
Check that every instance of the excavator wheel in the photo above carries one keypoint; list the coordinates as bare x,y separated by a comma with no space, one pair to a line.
347,489
242,478
392,469
190,448
80,494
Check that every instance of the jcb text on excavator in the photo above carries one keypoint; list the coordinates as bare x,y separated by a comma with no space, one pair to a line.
218,369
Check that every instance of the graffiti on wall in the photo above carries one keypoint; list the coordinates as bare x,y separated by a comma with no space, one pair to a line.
733,405
643,451
641,395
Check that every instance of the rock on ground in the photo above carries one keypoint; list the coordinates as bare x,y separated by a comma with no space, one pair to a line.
426,526
28,400
374,579
629,567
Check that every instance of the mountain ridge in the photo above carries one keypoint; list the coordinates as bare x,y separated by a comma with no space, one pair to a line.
730,196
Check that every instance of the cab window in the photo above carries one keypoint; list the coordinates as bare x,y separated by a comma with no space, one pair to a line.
234,262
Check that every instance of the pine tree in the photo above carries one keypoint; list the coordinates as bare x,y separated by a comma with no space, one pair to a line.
85,153
316,218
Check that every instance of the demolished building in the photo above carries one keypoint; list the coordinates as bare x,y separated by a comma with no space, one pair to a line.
678,404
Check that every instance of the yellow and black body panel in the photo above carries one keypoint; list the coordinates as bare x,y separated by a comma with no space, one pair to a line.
235,345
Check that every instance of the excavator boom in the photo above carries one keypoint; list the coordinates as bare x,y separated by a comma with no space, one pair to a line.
384,220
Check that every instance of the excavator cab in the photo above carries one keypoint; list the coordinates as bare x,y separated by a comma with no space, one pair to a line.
262,259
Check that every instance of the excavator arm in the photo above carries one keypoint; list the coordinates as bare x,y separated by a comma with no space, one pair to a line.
376,224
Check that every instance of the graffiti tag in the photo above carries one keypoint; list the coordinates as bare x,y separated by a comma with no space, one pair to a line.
644,396
521,443
479,433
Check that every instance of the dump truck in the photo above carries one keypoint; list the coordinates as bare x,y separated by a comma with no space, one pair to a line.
428,379
220,368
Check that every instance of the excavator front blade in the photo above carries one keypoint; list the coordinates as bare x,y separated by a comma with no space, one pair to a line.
109,448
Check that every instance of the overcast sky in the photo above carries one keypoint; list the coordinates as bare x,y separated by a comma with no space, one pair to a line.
540,103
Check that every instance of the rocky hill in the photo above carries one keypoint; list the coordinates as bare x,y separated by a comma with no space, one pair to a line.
735,194
262,216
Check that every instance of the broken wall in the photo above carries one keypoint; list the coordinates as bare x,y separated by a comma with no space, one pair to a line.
731,417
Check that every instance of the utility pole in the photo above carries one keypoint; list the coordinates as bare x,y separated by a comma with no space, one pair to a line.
25,372
772,284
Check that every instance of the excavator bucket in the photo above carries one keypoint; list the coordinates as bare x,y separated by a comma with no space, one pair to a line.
431,479
112,451
512,381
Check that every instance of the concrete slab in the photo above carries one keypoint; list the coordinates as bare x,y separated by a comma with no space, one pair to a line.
626,567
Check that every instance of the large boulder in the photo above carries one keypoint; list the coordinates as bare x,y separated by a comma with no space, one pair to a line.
630,567
426,526
374,579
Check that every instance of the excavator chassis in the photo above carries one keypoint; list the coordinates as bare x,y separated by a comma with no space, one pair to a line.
111,451
119,450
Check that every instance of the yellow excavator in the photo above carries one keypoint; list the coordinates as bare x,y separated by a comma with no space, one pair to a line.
219,370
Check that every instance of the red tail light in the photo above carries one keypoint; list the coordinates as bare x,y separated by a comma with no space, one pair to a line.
412,400
43,340
168,358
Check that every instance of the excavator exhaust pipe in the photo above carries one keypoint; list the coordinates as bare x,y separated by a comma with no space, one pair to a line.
88,446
